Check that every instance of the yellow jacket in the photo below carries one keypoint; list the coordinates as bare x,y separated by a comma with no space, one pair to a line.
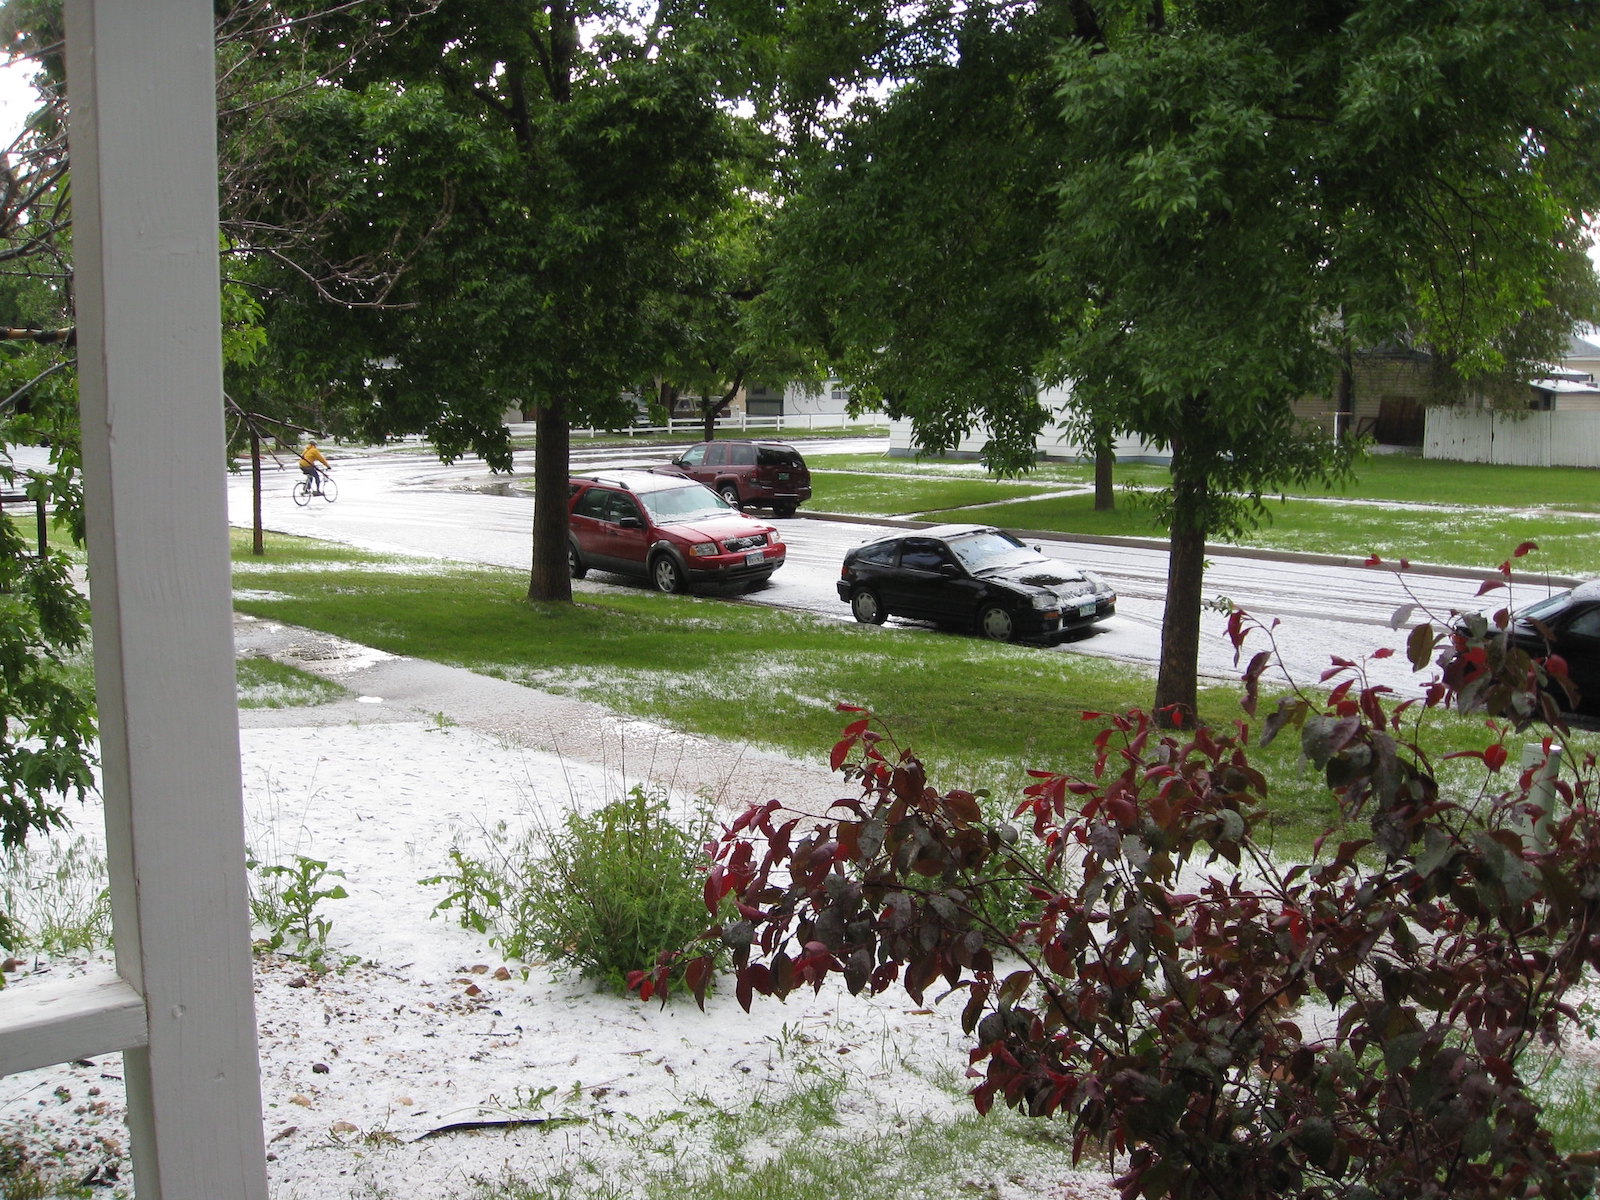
311,456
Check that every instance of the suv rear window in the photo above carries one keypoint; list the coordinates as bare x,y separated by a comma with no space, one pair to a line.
768,456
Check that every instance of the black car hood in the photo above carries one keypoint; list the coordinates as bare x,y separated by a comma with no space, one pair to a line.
1045,576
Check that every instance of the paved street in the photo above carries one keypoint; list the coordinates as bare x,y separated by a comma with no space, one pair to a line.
402,500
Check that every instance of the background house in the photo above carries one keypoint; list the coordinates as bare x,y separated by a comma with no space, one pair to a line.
1054,445
1559,428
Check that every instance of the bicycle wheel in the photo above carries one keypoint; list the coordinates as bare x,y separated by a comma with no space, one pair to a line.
301,493
330,489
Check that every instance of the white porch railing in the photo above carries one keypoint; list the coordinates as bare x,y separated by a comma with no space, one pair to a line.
179,1004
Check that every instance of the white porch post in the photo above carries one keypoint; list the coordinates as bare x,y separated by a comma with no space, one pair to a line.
143,139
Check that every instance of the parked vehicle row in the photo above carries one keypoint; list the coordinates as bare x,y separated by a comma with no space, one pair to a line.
680,526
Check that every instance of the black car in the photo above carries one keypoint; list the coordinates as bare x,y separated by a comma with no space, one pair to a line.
1568,624
973,577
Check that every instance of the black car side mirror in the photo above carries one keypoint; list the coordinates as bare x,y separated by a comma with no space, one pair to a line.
950,570
629,523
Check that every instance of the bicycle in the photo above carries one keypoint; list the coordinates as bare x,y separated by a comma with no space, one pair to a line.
303,492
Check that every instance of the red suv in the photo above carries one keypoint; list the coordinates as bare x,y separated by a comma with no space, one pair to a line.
671,531
758,474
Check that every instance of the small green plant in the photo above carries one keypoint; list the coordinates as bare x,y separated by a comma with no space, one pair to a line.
605,893
286,906
490,895
54,898
615,888
477,890
19,1177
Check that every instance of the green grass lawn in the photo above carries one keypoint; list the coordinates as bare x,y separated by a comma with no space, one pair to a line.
1455,514
980,714
1400,478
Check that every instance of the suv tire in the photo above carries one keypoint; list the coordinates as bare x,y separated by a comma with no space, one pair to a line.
730,493
666,574
575,563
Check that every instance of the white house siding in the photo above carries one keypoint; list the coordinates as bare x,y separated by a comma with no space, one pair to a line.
1052,445
1540,439
831,400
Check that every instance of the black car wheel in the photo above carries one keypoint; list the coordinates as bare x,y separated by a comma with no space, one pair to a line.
866,606
666,574
995,622
729,493
783,510
575,566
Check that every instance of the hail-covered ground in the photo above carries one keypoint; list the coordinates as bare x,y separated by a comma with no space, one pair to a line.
427,1063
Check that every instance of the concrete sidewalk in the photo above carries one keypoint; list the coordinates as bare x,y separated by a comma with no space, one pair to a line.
389,688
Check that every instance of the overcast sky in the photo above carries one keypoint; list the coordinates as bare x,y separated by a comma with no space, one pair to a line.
17,97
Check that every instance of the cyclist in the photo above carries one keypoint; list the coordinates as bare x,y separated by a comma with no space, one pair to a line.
309,458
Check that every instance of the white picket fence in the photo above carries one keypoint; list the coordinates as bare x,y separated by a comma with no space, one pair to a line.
1538,439
795,423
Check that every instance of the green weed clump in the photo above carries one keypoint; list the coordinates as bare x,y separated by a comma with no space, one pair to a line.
605,893
618,887
286,901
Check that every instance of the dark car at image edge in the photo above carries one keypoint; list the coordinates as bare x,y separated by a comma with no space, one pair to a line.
671,531
1566,625
972,577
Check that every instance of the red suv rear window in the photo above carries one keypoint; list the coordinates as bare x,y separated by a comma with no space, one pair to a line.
771,456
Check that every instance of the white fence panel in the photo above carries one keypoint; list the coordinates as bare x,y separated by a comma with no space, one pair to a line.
1541,439
744,423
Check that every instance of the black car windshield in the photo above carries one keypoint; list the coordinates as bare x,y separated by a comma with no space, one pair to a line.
990,549
671,505
1546,608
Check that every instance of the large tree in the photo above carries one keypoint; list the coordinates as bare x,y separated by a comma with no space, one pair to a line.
1192,211
1257,187
559,163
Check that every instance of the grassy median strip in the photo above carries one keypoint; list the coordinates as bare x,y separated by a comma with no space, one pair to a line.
704,664
1442,513
1383,478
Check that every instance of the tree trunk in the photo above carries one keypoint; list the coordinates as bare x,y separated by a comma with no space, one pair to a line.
1176,699
708,419
1105,495
550,580
258,544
